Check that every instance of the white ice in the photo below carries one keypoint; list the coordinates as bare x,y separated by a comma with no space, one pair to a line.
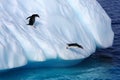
61,22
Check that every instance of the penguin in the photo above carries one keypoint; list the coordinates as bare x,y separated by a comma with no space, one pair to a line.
74,45
32,19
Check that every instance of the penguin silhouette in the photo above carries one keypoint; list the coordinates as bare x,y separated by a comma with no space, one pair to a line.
74,45
32,19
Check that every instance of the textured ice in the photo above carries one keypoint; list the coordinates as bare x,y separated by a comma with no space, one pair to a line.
62,21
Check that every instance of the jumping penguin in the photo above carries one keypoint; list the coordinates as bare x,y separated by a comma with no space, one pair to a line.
32,19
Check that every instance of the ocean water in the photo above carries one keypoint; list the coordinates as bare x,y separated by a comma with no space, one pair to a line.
104,64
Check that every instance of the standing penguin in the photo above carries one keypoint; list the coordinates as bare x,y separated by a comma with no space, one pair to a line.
32,19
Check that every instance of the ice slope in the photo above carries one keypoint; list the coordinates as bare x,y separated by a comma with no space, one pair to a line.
62,21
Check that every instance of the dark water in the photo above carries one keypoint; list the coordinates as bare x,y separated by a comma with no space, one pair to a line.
103,65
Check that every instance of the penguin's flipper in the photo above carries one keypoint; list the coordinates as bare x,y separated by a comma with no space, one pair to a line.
28,17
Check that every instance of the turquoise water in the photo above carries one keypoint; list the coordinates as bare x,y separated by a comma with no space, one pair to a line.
102,65
96,67
93,68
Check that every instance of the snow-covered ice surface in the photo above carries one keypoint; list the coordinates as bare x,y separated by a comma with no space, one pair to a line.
61,22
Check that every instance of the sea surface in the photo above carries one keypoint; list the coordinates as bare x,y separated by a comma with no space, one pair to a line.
104,64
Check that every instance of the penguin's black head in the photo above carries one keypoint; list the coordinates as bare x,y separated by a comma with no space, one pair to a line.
35,15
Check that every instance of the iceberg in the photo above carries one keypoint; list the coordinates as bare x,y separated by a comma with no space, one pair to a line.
61,22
